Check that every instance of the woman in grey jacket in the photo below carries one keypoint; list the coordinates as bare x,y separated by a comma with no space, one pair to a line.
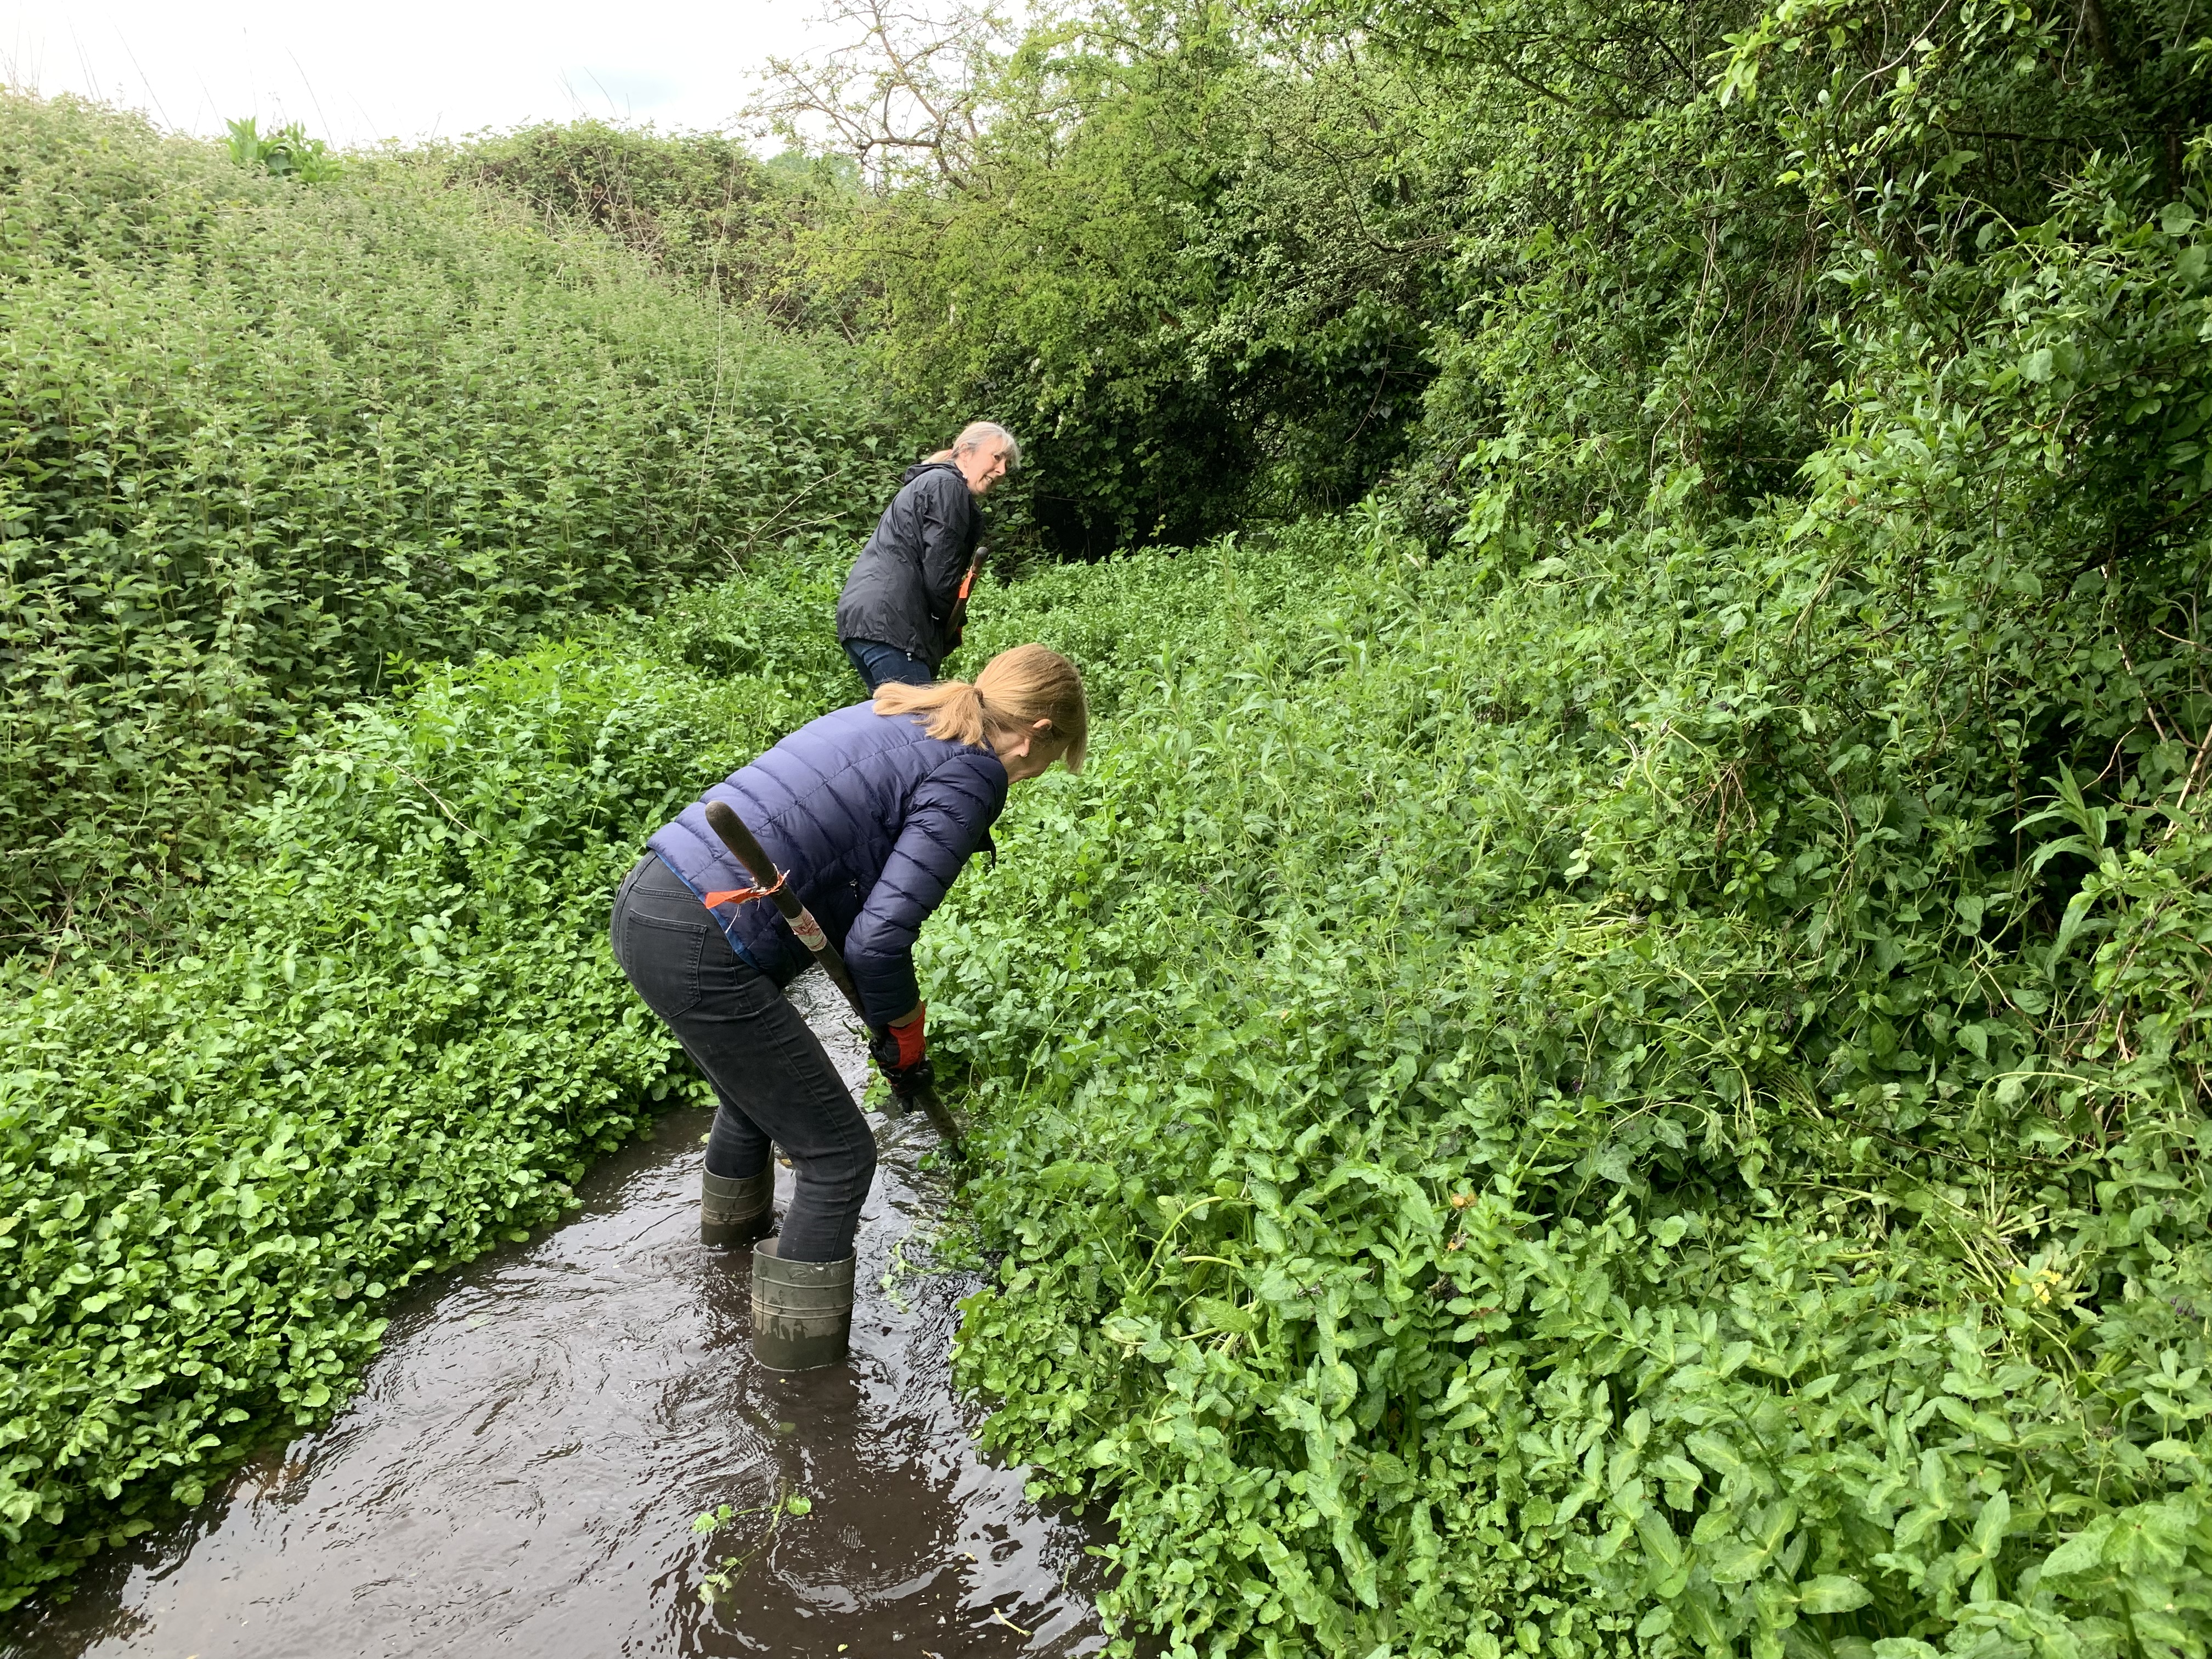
895,617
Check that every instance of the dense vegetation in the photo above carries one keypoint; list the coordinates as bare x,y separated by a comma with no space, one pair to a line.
1609,1056
266,435
1541,1115
396,1040
1625,1071
701,207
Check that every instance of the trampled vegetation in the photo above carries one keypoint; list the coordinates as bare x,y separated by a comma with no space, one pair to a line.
1609,1056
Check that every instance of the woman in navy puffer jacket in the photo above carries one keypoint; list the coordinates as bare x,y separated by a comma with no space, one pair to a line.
871,812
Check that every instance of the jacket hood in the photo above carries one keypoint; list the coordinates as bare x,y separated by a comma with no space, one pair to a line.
921,467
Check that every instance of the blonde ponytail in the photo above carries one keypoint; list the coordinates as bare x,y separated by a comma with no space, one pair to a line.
955,708
1016,689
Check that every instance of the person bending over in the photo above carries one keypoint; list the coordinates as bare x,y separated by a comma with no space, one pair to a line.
895,615
870,813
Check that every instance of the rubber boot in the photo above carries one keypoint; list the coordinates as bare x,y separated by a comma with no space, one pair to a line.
736,1210
802,1311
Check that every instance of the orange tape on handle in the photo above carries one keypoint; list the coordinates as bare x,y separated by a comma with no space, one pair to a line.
742,895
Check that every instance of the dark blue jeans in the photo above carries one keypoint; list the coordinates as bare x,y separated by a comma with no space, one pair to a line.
878,662
769,1071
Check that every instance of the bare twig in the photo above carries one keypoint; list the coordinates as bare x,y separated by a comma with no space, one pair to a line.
435,799
904,93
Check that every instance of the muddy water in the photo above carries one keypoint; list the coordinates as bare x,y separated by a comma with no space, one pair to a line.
520,1472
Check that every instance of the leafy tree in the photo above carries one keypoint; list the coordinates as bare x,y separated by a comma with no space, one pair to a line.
1194,273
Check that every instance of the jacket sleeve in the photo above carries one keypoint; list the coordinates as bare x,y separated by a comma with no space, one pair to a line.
951,810
948,514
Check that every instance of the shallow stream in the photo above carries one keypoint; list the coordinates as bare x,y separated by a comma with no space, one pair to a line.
520,1471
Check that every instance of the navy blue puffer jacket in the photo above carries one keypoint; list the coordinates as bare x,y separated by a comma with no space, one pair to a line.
871,817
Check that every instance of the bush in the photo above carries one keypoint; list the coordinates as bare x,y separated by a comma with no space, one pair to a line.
698,205
266,436
1194,275
1639,1086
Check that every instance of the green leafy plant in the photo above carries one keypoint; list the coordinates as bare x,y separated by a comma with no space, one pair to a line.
702,207
1536,1116
395,1038
1610,1057
286,153
261,444
718,1585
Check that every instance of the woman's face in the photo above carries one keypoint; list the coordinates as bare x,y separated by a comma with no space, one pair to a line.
1028,755
982,466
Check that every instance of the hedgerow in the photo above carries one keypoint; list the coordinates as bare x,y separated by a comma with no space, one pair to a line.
259,437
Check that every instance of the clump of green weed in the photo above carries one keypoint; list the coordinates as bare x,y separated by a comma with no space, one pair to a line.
1555,1114
286,153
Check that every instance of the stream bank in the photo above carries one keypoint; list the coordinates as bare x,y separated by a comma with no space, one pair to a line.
520,1470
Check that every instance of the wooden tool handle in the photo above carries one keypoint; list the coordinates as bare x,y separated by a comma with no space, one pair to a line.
749,853
959,617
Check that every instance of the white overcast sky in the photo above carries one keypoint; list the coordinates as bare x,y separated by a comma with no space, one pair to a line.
404,69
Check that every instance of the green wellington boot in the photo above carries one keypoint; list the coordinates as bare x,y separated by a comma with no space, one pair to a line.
802,1311
735,1211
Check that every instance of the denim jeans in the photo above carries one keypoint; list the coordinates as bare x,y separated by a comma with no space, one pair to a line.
771,1076
877,662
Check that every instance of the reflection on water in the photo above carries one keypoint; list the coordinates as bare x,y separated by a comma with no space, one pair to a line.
520,1472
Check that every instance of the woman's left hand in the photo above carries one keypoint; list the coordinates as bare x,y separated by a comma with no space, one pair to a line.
900,1046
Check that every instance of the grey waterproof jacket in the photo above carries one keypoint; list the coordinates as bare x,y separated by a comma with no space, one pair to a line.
901,588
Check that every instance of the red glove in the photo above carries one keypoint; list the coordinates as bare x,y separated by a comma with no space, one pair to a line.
899,1047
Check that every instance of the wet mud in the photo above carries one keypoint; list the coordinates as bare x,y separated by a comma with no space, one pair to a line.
519,1473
